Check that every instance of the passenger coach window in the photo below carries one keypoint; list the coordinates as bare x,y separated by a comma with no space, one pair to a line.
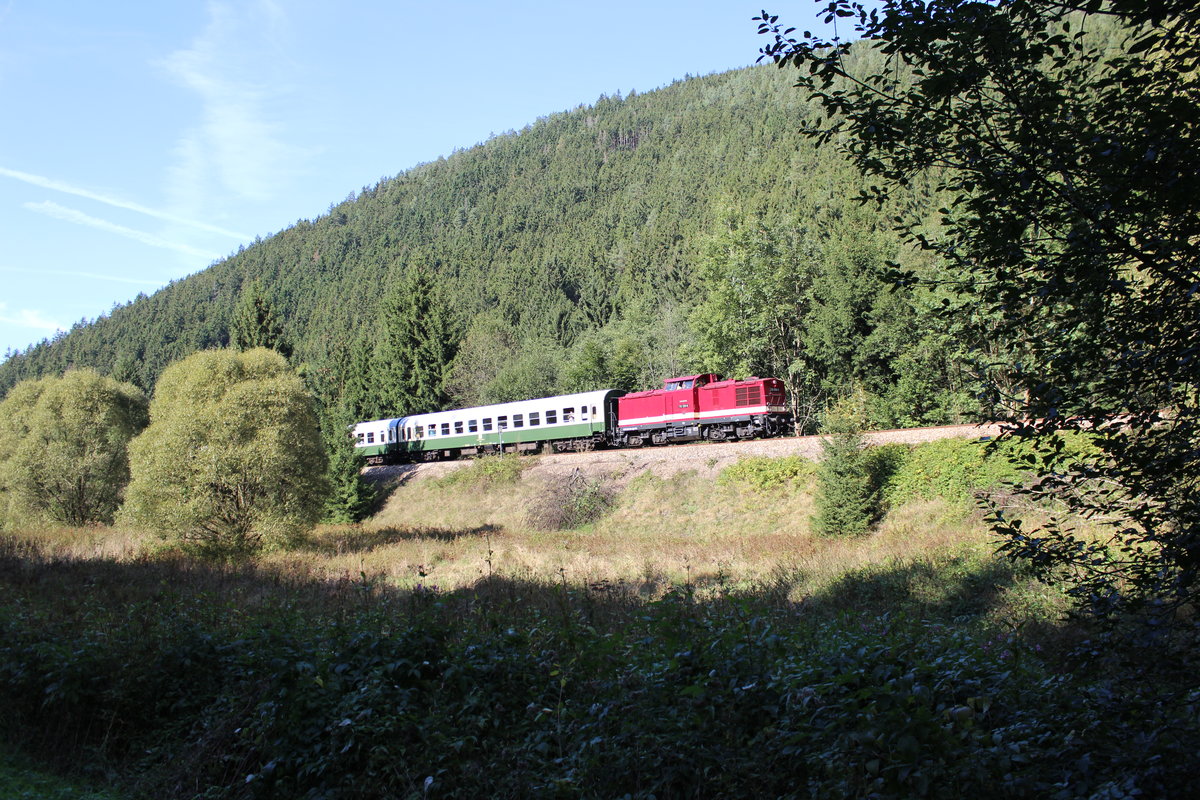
487,423
458,427
568,415
501,422
518,420
472,426
445,429
535,419
359,437
371,437
551,417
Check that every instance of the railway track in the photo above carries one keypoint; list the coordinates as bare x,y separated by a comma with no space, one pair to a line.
701,457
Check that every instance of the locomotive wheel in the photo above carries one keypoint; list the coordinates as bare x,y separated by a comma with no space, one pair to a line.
715,434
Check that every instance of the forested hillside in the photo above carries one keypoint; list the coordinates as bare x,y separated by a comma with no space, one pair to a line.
690,228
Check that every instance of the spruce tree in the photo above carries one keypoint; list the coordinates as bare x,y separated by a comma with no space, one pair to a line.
255,324
350,495
846,499
416,346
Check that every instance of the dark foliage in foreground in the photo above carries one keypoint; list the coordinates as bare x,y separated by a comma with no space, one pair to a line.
188,680
1066,139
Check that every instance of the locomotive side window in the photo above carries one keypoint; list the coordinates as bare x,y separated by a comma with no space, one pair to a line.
518,420
534,418
551,417
472,426
445,429
487,424
458,428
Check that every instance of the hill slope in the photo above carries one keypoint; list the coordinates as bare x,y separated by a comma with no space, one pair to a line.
607,212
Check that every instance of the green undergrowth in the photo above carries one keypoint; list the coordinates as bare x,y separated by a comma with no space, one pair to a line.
496,470
765,474
22,780
899,680
955,469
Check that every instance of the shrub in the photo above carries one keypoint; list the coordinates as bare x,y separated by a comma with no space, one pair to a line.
232,459
63,445
765,474
490,470
571,503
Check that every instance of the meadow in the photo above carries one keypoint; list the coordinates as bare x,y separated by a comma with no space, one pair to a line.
685,636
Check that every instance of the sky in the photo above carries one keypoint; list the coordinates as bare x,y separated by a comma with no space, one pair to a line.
142,141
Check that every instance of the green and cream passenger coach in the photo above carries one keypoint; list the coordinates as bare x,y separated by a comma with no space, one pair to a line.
564,423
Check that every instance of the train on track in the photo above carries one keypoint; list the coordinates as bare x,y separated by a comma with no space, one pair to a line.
687,409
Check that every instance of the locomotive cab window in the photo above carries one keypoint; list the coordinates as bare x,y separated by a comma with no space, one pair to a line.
534,418
551,417
518,420
487,424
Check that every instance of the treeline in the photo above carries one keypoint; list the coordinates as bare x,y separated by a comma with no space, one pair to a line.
690,228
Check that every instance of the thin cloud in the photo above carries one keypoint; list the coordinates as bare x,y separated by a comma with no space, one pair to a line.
66,188
79,218
238,143
29,318
69,273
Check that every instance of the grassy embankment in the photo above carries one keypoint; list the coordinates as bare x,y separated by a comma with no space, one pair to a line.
695,640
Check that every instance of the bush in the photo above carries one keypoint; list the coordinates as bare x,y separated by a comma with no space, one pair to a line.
233,458
489,470
63,446
764,474
955,469
571,503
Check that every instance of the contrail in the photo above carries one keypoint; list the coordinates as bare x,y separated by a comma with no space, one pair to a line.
70,273
79,218
66,188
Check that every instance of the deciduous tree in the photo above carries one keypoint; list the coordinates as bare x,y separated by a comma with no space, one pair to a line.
1066,138
232,459
63,446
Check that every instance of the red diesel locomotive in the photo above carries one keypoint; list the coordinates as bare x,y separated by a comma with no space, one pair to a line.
696,407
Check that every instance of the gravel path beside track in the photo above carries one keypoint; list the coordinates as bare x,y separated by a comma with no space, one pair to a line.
703,457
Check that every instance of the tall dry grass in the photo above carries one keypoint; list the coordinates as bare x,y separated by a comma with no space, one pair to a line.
683,529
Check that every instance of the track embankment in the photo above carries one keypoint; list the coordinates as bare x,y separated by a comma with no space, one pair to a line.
703,457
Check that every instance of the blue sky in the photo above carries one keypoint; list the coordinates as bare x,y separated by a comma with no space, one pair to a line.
143,140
